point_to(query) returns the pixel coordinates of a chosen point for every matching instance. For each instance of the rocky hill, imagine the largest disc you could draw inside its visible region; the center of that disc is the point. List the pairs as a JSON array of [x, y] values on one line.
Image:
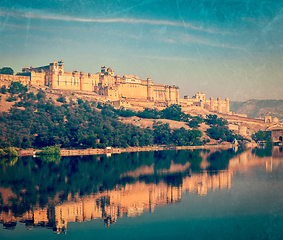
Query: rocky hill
[[258, 108]]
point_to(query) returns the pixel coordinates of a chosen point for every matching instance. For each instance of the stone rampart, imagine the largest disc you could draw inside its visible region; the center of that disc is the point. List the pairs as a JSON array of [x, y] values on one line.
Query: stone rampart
[[7, 79], [233, 118]]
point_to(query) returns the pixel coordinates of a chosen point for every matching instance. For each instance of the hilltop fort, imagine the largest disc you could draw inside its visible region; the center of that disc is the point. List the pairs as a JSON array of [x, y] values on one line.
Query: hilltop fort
[[123, 91], [134, 93]]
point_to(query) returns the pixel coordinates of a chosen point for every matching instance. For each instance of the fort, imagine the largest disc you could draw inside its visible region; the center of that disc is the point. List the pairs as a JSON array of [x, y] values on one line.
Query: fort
[[123, 91], [131, 92]]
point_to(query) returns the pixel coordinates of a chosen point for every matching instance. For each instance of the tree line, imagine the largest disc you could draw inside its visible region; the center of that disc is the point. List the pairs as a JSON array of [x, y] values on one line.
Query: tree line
[[36, 121]]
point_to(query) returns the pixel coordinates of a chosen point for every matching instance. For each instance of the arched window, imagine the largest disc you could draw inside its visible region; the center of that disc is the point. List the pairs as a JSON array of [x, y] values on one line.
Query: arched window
[[280, 138]]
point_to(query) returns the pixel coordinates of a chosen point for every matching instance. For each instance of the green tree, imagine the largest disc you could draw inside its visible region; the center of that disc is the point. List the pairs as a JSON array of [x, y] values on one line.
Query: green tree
[[193, 137], [16, 88], [259, 136], [80, 101], [213, 120], [174, 112], [8, 152], [25, 143], [149, 113], [41, 94], [125, 112], [11, 99], [7, 70], [90, 141], [61, 99], [194, 123], [51, 150], [221, 132], [161, 133], [3, 89]]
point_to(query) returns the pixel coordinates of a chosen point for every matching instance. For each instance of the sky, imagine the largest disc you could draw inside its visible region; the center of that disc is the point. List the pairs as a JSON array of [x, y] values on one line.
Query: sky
[[224, 48]]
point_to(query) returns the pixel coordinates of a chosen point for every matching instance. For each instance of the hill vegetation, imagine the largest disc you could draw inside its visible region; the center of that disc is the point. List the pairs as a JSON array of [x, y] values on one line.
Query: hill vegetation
[[258, 108], [37, 121]]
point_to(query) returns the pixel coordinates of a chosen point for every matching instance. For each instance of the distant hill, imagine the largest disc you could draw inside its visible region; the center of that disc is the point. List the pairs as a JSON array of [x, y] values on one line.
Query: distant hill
[[258, 108]]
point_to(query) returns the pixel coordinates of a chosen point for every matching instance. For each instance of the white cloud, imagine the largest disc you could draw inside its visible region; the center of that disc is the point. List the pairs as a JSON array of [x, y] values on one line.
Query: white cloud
[[190, 39], [30, 14]]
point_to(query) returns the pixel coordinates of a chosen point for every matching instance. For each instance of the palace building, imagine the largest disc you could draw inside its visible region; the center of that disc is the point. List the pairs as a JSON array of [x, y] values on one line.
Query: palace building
[[104, 83], [127, 91]]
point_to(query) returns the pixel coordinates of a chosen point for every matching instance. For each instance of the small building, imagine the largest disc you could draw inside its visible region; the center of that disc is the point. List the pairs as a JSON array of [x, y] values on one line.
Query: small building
[[276, 132], [277, 135], [199, 100]]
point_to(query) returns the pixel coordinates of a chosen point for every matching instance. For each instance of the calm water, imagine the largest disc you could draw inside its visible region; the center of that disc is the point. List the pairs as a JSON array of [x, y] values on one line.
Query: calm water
[[216, 194]]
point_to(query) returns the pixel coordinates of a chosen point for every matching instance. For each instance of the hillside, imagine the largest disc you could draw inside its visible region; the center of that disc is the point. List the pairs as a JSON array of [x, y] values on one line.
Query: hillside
[[258, 108], [39, 118], [36, 118]]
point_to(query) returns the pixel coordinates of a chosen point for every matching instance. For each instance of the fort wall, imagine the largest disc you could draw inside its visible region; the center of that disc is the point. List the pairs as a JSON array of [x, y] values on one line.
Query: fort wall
[[132, 90], [69, 81], [37, 79], [7, 79], [88, 81], [114, 87], [235, 118]]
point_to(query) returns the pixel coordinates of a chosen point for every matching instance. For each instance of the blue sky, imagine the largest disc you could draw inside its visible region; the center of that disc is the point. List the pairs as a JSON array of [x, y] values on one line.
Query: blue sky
[[223, 48]]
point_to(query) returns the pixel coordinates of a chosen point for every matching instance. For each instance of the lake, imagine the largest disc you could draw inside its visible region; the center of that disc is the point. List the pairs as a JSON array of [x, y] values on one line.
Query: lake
[[186, 194]]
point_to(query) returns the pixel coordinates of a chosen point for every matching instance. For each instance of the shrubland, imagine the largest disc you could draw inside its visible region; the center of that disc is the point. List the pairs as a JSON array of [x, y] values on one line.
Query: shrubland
[[36, 121]]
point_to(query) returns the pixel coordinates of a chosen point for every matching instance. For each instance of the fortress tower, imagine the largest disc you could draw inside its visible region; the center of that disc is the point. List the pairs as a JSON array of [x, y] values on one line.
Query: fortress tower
[[227, 105], [149, 89], [212, 104], [219, 105], [56, 69]]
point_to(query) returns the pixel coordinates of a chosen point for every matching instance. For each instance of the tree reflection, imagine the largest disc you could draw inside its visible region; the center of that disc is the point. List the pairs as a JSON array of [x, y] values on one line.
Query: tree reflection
[[49, 180], [219, 160], [266, 151], [8, 161], [50, 158]]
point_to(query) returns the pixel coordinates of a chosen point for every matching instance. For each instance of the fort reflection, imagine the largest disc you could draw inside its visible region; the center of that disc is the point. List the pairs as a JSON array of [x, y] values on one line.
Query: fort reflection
[[136, 197], [129, 201]]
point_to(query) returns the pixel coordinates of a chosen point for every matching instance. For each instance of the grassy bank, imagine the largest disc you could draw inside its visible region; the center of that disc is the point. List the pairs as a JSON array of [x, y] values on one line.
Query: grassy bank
[[51, 150], [8, 152]]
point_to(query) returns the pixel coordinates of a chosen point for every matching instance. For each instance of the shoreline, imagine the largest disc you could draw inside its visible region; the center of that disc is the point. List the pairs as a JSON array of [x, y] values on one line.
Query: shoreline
[[98, 151]]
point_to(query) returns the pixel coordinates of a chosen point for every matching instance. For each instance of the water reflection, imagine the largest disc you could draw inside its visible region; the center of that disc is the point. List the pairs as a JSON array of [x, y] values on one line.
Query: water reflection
[[8, 161], [40, 193]]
